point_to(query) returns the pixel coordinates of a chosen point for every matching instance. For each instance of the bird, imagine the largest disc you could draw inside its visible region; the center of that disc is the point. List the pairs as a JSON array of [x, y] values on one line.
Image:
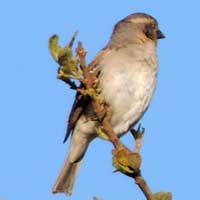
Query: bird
[[127, 69]]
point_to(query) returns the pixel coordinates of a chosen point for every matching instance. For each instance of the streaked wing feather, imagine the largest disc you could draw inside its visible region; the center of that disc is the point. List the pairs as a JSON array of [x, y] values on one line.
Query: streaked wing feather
[[80, 101], [77, 108]]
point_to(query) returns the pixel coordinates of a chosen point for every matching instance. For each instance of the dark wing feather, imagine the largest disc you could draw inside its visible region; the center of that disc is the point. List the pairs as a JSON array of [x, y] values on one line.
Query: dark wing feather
[[76, 111], [81, 101]]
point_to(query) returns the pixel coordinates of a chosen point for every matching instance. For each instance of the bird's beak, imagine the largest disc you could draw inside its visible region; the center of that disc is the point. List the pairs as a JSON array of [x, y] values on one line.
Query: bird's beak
[[160, 35]]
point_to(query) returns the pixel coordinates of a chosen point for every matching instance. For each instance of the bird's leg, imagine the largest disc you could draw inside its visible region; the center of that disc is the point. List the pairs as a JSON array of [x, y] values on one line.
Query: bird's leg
[[138, 136]]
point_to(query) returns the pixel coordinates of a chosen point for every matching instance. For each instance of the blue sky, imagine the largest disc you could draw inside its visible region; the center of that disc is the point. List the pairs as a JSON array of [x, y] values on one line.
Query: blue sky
[[34, 105]]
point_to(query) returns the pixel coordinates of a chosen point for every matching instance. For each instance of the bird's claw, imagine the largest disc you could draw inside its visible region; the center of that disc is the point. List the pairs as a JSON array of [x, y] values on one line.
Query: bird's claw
[[140, 128], [138, 133]]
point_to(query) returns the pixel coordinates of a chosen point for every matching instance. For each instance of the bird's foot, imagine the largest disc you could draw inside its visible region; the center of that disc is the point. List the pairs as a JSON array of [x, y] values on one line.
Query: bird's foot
[[138, 136]]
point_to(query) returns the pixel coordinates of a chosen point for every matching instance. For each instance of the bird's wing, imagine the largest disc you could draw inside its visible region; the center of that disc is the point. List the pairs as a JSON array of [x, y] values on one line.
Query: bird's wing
[[93, 66], [81, 101], [79, 104]]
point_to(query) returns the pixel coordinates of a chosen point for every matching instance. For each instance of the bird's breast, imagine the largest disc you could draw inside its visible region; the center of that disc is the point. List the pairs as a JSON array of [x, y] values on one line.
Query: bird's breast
[[127, 84]]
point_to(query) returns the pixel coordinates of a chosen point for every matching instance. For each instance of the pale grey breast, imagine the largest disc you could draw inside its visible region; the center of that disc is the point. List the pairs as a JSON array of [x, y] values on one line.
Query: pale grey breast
[[128, 80]]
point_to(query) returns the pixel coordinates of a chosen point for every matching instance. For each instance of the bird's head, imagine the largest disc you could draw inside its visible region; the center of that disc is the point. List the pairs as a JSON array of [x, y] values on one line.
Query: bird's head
[[136, 28]]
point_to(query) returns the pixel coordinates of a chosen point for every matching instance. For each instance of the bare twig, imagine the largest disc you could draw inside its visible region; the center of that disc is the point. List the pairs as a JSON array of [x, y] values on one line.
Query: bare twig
[[139, 180], [71, 83], [72, 40]]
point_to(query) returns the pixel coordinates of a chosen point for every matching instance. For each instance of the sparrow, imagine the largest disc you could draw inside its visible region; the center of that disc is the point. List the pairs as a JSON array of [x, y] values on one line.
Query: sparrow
[[127, 73]]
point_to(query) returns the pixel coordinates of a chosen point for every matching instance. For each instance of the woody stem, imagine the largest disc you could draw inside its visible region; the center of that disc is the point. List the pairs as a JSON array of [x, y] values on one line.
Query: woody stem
[[88, 82]]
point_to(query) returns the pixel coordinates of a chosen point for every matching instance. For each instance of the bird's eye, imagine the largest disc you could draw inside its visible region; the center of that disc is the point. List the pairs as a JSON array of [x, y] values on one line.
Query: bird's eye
[[149, 31]]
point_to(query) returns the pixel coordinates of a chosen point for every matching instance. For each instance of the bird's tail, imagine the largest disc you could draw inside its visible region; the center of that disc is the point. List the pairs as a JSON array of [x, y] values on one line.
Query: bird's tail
[[67, 177]]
